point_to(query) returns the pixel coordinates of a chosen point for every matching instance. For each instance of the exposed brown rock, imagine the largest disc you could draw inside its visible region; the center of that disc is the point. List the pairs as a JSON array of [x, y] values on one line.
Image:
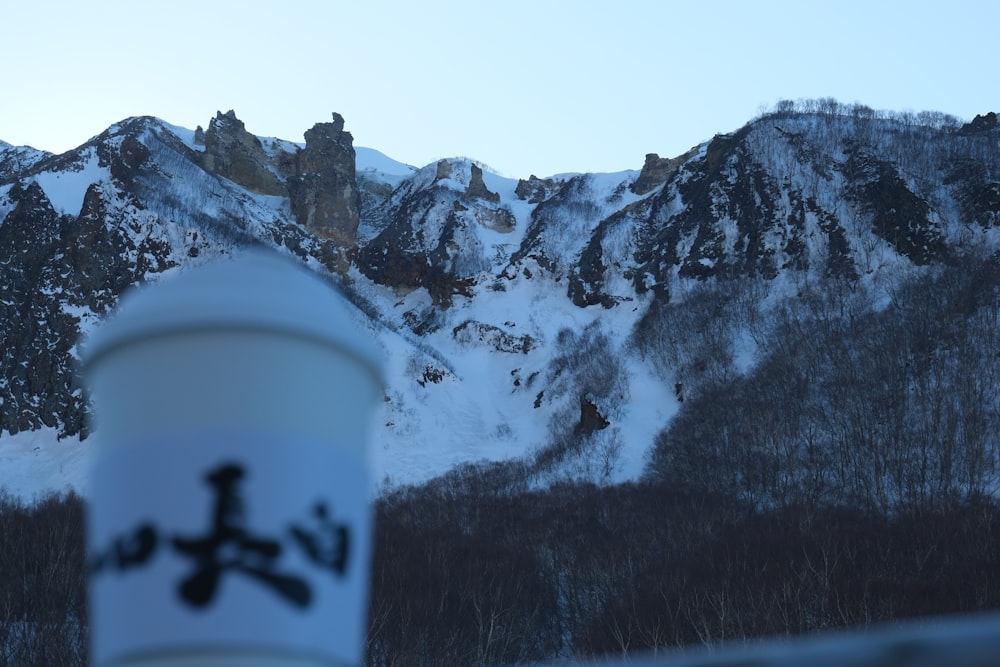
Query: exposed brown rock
[[443, 170], [535, 189], [477, 187], [235, 154], [324, 192], [591, 418], [498, 219], [655, 172]]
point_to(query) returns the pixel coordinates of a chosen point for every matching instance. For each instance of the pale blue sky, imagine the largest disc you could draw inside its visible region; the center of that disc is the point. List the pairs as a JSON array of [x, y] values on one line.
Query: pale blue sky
[[525, 86]]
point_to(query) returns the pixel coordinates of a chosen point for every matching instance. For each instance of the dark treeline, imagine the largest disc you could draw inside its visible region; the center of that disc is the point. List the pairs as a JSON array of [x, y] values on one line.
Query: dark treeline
[[43, 610], [470, 579], [511, 575], [830, 107]]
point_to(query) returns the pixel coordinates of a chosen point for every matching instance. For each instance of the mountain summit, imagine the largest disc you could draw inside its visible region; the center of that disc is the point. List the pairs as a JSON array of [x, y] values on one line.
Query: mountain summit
[[563, 324]]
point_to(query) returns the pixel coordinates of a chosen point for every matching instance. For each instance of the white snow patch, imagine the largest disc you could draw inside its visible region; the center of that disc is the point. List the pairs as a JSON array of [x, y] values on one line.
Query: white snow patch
[[369, 159], [273, 146], [37, 463], [185, 135], [745, 352], [66, 189], [5, 204], [650, 407]]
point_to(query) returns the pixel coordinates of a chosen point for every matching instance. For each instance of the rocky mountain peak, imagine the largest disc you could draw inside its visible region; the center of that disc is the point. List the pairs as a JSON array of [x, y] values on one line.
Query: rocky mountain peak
[[16, 160], [319, 179], [234, 153], [535, 190], [656, 171], [324, 192], [477, 186]]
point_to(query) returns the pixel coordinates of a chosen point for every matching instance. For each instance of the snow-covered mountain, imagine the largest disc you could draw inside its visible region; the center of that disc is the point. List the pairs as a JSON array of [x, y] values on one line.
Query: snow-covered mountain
[[522, 320]]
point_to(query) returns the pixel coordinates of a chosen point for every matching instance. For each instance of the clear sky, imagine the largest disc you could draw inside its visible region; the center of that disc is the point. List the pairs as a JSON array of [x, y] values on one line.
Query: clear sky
[[525, 86]]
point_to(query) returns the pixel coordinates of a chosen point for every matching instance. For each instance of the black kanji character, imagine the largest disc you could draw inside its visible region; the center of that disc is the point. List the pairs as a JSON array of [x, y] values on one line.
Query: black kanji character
[[328, 547], [128, 551], [229, 547]]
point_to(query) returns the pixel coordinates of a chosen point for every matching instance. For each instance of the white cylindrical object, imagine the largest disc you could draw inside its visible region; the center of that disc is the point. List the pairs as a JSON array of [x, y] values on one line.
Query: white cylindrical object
[[229, 521]]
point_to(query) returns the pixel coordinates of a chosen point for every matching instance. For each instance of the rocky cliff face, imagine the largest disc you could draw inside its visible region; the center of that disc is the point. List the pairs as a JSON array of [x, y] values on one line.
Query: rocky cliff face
[[60, 271], [233, 153], [319, 179], [323, 189], [18, 159], [434, 237], [656, 171]]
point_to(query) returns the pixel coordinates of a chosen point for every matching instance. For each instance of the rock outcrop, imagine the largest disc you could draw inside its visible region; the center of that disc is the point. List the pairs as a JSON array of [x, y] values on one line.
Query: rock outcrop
[[535, 190], [324, 192], [18, 159], [443, 170], [655, 172], [477, 187], [980, 124], [319, 179], [234, 153]]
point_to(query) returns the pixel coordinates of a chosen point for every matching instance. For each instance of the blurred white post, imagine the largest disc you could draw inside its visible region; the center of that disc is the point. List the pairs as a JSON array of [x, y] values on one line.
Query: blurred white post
[[230, 519]]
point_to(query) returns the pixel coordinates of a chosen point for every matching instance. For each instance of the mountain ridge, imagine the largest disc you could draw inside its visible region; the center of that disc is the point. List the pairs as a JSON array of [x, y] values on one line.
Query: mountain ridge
[[517, 315]]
